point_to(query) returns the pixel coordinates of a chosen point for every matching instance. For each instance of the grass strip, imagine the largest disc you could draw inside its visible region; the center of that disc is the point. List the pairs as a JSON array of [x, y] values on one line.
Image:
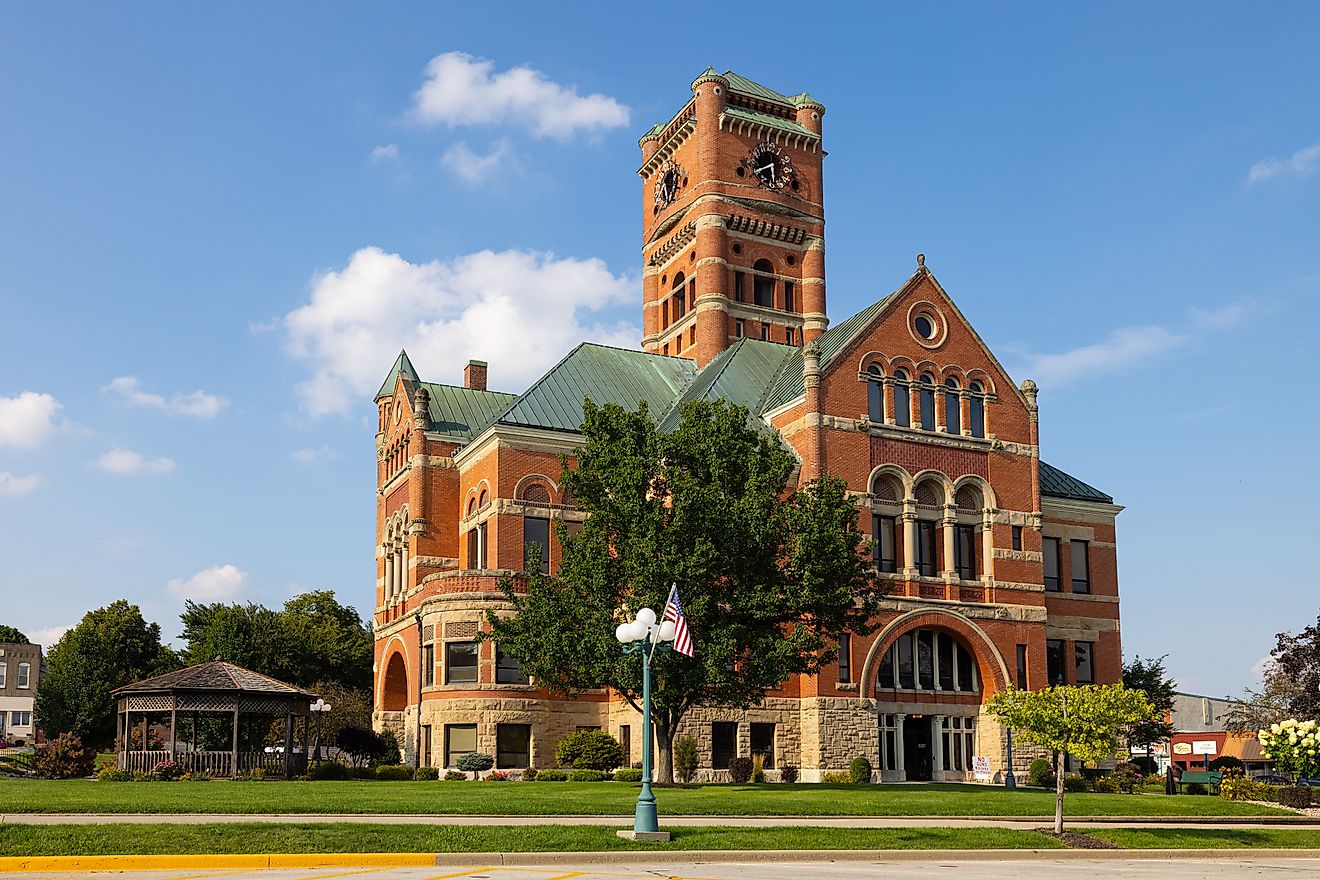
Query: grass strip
[[1211, 838], [587, 799], [87, 840]]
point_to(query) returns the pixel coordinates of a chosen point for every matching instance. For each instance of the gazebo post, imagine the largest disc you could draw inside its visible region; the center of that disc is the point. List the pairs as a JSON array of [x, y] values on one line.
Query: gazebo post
[[174, 730], [145, 730], [233, 766], [288, 744]]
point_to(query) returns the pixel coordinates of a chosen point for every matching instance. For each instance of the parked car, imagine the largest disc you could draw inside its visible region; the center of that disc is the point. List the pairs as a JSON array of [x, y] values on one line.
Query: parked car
[[1312, 782], [1272, 779]]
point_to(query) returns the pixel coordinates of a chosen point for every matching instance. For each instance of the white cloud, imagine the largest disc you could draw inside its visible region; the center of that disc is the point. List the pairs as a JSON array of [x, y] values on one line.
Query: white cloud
[[47, 636], [26, 420], [475, 167], [312, 456], [1262, 667], [12, 484], [384, 152], [462, 90], [127, 462], [519, 311], [212, 584], [199, 404], [1301, 163], [1123, 349]]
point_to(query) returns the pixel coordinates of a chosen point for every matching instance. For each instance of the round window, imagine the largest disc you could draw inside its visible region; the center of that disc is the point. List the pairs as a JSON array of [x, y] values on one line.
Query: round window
[[925, 326]]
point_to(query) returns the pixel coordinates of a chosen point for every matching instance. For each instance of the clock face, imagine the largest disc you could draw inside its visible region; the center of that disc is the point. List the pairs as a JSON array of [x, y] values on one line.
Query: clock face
[[668, 178], [769, 166]]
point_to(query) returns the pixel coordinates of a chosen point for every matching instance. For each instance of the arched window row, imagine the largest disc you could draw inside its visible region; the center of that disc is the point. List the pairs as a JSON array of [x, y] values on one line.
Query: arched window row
[[681, 298], [765, 288], [928, 526], [394, 552], [925, 402], [928, 660], [396, 456]]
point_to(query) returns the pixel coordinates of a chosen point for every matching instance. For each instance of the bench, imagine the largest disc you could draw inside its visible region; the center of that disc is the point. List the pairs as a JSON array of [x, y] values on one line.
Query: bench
[[1209, 778]]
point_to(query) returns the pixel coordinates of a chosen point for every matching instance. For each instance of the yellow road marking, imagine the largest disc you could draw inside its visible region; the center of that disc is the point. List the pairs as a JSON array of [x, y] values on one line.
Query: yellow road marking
[[566, 876], [210, 874], [466, 873], [343, 874]]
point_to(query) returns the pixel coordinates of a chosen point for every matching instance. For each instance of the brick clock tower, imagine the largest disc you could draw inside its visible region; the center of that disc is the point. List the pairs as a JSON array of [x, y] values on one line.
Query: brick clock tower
[[733, 220]]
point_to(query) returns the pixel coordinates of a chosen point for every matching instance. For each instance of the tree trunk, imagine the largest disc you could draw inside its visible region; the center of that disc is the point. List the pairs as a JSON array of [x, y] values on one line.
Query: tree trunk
[[1058, 792], [664, 752]]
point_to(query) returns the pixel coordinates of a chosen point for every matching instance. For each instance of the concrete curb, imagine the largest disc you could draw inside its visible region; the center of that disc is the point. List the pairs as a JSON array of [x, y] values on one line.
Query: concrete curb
[[17, 864]]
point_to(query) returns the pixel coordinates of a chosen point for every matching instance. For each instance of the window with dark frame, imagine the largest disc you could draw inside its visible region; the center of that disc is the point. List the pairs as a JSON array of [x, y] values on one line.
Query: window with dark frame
[[513, 745], [536, 538], [976, 409], [928, 660], [1054, 661], [965, 551], [763, 743], [763, 285], [460, 740], [425, 760], [765, 332], [952, 407], [926, 395], [1017, 537], [884, 529], [737, 287], [1022, 667], [738, 329], [1081, 566], [428, 664], [902, 400], [875, 395], [508, 669], [1083, 662], [625, 740], [788, 296], [845, 658], [926, 564], [723, 744], [1050, 551], [461, 662]]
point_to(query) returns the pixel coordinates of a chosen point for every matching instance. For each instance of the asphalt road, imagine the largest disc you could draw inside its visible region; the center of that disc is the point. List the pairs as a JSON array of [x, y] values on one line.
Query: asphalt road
[[1055, 869]]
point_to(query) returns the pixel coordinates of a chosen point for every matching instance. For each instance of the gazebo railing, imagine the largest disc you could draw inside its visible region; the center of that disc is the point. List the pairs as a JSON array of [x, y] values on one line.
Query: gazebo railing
[[217, 763]]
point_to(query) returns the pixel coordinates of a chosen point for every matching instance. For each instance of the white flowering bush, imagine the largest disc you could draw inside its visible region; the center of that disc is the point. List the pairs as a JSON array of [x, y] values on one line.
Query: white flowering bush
[[1294, 746]]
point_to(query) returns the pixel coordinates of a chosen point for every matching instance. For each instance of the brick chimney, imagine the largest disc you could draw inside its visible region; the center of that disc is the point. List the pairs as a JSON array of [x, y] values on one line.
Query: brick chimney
[[474, 375]]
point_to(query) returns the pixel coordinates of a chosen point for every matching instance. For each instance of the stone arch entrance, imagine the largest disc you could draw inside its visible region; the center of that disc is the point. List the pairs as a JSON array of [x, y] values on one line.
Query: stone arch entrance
[[394, 691]]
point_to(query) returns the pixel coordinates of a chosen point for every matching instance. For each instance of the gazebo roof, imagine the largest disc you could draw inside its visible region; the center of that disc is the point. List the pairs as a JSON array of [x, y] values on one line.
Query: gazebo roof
[[216, 676]]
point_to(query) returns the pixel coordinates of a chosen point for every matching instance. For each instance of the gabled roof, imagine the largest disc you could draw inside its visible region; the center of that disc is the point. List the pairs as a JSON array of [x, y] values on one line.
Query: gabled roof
[[788, 386], [758, 118], [742, 374], [401, 365], [742, 84], [216, 675], [1054, 483], [606, 375], [462, 413]]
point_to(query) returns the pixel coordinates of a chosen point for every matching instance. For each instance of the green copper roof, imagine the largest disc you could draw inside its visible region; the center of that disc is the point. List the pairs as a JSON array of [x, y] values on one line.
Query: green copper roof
[[1054, 483], [744, 85], [833, 341], [769, 119], [606, 375], [462, 413], [401, 365], [741, 374]]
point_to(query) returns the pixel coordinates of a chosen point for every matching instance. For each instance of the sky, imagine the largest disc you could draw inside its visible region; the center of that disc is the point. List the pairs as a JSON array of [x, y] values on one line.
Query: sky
[[219, 224]]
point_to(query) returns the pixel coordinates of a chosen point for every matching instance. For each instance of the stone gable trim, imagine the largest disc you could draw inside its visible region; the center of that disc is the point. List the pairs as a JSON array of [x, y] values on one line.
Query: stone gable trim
[[1081, 511], [1079, 629], [517, 437], [997, 611]]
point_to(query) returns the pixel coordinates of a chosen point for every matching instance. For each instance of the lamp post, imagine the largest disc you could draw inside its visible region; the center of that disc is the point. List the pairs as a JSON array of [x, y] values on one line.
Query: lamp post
[[1010, 781], [319, 708], [644, 636]]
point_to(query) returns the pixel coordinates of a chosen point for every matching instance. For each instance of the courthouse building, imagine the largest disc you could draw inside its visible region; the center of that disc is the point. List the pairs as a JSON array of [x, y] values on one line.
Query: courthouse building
[[1001, 568]]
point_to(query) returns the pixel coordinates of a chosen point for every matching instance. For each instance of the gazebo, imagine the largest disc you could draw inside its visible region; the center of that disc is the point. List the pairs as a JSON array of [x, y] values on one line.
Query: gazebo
[[211, 688]]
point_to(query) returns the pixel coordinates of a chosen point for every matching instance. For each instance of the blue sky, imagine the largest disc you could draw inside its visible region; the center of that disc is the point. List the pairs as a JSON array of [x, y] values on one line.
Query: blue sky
[[219, 224]]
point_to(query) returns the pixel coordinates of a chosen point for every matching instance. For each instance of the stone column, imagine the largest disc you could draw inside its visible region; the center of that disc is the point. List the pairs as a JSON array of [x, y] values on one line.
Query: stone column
[[814, 316], [947, 524], [814, 465], [899, 763], [987, 544], [403, 569], [909, 516], [937, 748], [389, 576]]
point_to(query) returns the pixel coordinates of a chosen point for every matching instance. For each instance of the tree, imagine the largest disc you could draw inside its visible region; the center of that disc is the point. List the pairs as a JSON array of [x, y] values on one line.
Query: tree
[[589, 750], [110, 647], [1297, 659], [10, 636], [1086, 722], [769, 579], [1259, 709], [1150, 677], [362, 744]]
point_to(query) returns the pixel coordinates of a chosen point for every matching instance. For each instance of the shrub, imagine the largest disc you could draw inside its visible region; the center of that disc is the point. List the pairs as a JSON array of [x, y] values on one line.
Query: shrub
[[1227, 762], [586, 774], [64, 758], [859, 770], [628, 774], [788, 773], [455, 776], [1195, 788], [758, 769], [589, 750], [1127, 777], [1076, 783], [394, 773], [389, 755], [363, 772], [530, 774], [1147, 766], [685, 759], [499, 776], [1106, 784], [362, 744], [1039, 772], [836, 777], [329, 770], [426, 774], [552, 776], [475, 762], [167, 771], [1240, 788], [740, 769], [257, 774], [111, 773], [1298, 796]]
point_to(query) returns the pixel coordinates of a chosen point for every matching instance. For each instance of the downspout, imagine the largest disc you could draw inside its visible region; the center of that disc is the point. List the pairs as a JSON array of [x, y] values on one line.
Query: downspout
[[417, 737]]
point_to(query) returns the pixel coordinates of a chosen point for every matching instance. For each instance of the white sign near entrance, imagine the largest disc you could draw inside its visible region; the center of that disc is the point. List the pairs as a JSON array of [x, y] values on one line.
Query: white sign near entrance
[[981, 768], [1203, 747]]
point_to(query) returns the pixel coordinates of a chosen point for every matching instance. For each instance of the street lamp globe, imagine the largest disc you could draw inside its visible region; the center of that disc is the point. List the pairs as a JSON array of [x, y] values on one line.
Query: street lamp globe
[[667, 631], [646, 617]]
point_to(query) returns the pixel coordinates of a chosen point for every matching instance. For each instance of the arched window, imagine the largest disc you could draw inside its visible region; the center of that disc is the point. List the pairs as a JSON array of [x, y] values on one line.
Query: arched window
[[678, 308], [952, 407], [888, 495], [976, 409], [472, 505], [902, 399], [536, 494], [927, 395], [764, 285], [875, 394], [927, 660], [484, 500]]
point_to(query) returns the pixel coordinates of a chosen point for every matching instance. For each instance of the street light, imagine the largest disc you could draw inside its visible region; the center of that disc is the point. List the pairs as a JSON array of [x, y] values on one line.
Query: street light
[[319, 708], [1010, 781], [644, 636]]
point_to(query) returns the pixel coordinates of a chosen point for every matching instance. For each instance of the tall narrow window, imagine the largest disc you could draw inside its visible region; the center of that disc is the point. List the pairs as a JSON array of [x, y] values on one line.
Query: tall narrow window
[[428, 664], [926, 660], [625, 740], [788, 335], [888, 743], [926, 392], [875, 395], [425, 758], [952, 407], [944, 657], [723, 744], [678, 297], [1017, 537], [1083, 665], [845, 658], [738, 329], [965, 551], [907, 679], [737, 287], [1050, 550], [976, 409], [1022, 667], [902, 399], [885, 677], [966, 668], [508, 669], [24, 671], [1054, 661], [885, 528], [1081, 566], [461, 662], [4, 668], [536, 543], [764, 283], [788, 296], [765, 332], [926, 548], [763, 742]]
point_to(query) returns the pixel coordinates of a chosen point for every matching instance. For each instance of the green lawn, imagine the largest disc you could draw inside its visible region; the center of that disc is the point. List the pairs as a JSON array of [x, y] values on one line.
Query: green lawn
[[77, 840], [596, 799], [1206, 838]]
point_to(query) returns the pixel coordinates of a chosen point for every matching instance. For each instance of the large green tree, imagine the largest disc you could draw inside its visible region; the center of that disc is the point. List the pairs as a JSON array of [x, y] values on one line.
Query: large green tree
[[1150, 677], [769, 577], [11, 636], [1086, 722], [110, 647], [1296, 658]]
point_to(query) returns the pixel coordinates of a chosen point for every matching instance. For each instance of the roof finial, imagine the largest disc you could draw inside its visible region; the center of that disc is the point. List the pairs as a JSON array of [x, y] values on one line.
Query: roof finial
[[921, 261]]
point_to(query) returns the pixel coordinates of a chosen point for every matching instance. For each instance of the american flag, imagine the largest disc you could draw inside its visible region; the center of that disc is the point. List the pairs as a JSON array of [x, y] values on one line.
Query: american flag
[[674, 612]]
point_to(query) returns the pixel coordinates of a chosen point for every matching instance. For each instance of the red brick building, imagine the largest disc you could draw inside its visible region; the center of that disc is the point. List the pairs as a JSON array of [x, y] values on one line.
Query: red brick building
[[1002, 567]]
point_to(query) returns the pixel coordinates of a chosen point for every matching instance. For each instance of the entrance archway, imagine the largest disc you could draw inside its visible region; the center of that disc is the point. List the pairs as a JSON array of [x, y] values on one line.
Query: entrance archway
[[394, 693]]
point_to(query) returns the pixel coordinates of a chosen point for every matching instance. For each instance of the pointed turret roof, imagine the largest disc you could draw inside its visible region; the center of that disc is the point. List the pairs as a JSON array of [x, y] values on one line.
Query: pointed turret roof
[[401, 366]]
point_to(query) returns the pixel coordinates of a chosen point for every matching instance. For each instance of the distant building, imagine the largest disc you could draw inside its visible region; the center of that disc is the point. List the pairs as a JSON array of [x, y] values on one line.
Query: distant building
[[20, 675], [1200, 735]]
